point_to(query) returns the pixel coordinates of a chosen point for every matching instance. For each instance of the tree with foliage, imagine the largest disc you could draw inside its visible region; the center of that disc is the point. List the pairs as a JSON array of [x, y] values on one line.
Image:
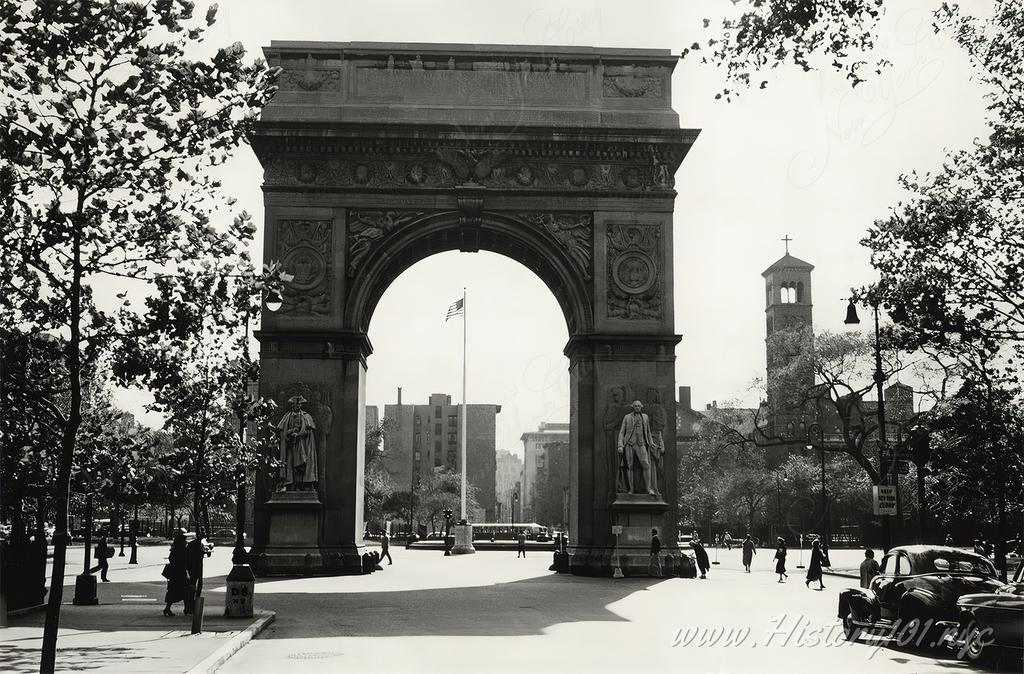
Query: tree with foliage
[[193, 356], [441, 489], [379, 483], [107, 127], [951, 258], [763, 34], [978, 457]]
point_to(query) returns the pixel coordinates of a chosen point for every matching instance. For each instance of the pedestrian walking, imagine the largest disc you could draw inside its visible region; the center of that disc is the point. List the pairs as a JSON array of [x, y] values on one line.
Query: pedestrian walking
[[176, 573], [521, 545], [748, 552], [194, 553], [868, 568], [701, 555], [780, 559], [385, 547], [654, 567], [103, 553], [814, 572], [728, 540]]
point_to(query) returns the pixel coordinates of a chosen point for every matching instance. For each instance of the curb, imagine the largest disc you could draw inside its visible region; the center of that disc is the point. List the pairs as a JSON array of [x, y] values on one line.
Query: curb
[[216, 660], [841, 574]]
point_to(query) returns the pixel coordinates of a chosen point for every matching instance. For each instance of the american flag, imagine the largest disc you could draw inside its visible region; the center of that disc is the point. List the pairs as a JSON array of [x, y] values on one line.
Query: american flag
[[454, 310]]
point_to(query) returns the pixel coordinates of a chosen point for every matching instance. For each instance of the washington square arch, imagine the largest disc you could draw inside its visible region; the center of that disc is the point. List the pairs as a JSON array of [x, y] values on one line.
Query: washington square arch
[[378, 155]]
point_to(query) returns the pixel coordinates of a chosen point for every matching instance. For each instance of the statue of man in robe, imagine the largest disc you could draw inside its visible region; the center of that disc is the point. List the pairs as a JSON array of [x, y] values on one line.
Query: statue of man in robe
[[636, 446], [298, 447]]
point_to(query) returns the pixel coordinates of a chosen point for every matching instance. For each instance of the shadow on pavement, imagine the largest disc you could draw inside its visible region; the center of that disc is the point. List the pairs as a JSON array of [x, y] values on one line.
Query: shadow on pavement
[[522, 607]]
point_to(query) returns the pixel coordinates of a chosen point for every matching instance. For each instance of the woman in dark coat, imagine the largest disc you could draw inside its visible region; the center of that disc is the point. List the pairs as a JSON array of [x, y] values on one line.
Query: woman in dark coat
[[748, 552], [814, 566], [176, 572], [703, 563], [780, 557]]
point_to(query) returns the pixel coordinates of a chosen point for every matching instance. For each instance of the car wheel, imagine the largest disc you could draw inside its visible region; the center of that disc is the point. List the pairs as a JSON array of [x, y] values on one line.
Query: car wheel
[[850, 631], [974, 645]]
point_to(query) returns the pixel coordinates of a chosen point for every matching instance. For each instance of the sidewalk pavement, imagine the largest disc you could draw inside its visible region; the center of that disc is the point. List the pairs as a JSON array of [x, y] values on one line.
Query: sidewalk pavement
[[128, 638], [127, 631]]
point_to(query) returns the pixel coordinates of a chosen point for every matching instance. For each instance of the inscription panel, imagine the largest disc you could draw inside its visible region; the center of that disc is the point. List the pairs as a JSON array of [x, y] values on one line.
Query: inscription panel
[[470, 86]]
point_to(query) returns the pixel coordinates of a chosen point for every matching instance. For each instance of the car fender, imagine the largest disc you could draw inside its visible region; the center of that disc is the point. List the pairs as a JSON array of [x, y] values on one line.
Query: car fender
[[858, 604]]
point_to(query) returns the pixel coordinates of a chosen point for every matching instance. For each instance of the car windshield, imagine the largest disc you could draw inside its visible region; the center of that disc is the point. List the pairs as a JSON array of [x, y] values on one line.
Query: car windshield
[[949, 563]]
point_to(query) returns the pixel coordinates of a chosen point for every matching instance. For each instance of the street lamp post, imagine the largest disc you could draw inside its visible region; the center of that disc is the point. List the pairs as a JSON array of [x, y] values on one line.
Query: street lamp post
[[134, 536], [827, 526], [447, 531], [883, 468]]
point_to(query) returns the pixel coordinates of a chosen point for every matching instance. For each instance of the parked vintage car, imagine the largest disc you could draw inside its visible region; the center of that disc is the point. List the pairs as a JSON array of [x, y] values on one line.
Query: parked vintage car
[[917, 587], [990, 624]]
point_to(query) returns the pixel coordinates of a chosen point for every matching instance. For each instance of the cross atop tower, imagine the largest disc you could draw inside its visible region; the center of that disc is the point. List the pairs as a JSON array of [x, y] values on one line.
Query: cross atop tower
[[787, 240]]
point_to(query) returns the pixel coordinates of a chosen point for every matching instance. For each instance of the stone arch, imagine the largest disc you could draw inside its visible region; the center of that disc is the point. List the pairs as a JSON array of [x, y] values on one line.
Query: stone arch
[[379, 155], [498, 233]]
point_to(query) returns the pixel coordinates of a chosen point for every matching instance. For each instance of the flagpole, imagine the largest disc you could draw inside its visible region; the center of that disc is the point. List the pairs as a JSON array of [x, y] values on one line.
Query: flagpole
[[465, 419]]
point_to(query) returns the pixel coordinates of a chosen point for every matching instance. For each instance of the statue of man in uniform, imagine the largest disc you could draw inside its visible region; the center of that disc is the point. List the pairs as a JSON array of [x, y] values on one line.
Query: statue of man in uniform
[[636, 445], [298, 447]]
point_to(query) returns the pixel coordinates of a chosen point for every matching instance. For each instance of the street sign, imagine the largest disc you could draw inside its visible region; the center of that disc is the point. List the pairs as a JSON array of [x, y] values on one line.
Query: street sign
[[884, 499], [616, 529]]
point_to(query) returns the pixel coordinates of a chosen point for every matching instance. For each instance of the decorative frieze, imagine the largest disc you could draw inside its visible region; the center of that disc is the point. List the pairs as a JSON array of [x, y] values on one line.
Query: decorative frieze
[[635, 272], [494, 169], [304, 248]]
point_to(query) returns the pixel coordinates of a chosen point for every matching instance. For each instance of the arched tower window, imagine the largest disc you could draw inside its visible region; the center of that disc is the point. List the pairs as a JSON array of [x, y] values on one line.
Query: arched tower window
[[788, 293]]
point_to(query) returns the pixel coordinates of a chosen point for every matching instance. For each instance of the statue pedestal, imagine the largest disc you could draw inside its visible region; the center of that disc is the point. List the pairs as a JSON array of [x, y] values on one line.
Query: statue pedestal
[[463, 539], [293, 543], [638, 514]]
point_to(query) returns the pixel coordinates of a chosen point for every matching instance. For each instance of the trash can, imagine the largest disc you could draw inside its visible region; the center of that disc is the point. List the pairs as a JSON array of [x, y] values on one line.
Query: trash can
[[241, 584]]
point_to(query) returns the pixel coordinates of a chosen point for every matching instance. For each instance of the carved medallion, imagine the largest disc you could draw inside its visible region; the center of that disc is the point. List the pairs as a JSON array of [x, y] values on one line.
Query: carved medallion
[[634, 272], [304, 248]]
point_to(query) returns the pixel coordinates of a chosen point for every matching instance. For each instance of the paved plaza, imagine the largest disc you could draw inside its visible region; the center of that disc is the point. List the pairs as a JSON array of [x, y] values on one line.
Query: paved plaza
[[477, 613], [493, 612]]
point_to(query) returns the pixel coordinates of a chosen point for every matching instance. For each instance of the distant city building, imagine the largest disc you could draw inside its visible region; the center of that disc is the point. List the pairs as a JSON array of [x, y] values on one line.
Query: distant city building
[[534, 457], [427, 437], [507, 476]]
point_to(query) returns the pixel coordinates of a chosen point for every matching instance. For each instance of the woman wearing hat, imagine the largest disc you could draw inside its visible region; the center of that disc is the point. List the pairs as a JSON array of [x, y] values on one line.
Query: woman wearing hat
[[780, 559], [176, 572]]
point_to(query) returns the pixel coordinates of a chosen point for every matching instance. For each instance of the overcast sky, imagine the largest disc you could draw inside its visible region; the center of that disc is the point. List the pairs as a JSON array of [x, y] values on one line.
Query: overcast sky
[[807, 157]]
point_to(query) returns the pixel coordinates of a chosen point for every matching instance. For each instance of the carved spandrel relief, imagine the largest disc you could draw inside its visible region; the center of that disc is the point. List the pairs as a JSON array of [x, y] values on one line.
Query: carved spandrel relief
[[304, 248], [573, 232], [367, 228], [634, 272]]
